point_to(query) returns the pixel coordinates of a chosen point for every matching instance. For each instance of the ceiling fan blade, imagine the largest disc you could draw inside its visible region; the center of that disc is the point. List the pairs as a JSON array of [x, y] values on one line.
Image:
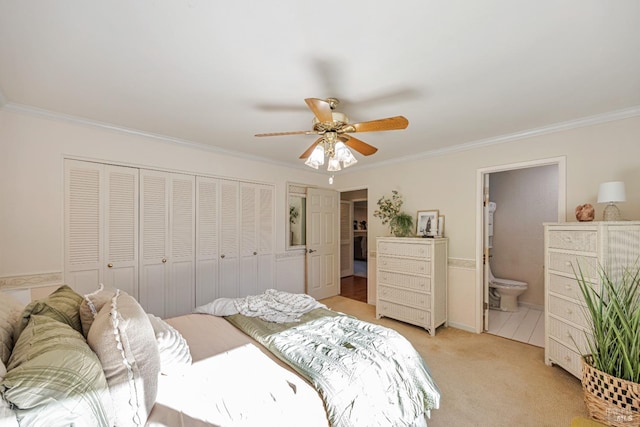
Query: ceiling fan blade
[[390, 123], [310, 149], [360, 146], [296, 132], [321, 109]]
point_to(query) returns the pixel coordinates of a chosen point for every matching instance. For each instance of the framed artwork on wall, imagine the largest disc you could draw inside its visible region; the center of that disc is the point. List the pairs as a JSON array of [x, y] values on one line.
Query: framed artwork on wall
[[427, 223]]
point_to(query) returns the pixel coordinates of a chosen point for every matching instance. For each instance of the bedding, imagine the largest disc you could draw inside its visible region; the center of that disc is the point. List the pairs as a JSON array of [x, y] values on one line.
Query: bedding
[[202, 370], [53, 377], [233, 381], [367, 374]]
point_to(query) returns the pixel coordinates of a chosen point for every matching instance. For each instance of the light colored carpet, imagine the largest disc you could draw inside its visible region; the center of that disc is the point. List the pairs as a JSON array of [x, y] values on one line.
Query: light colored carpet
[[485, 380]]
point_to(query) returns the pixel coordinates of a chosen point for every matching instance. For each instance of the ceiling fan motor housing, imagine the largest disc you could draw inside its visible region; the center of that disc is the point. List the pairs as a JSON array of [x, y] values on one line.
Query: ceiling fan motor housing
[[339, 120]]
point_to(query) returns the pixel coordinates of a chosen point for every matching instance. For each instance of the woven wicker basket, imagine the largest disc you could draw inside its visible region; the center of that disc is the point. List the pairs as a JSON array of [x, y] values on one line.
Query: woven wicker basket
[[611, 400]]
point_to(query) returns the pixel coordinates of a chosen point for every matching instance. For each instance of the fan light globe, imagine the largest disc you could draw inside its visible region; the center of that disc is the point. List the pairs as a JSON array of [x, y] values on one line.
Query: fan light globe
[[345, 155], [334, 165], [316, 158]]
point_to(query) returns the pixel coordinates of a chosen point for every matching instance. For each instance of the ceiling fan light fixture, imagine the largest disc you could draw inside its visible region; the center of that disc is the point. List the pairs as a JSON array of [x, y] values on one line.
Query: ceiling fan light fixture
[[344, 155], [316, 158], [334, 165]]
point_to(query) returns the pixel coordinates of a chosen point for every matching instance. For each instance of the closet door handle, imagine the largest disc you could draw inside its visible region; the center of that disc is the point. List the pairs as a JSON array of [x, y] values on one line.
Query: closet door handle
[[312, 251], [222, 256], [110, 265], [164, 260]]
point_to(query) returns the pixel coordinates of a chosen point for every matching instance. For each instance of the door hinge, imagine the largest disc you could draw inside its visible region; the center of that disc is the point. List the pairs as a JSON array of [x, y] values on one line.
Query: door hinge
[[485, 306]]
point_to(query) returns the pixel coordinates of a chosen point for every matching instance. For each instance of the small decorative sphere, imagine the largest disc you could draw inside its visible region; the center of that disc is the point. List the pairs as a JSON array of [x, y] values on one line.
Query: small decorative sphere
[[585, 212]]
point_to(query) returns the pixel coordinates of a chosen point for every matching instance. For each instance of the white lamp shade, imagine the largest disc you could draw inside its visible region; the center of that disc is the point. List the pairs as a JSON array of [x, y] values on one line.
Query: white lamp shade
[[612, 192]]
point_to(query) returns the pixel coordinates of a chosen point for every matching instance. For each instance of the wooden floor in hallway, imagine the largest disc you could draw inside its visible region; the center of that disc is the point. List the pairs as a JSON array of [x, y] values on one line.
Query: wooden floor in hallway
[[354, 287]]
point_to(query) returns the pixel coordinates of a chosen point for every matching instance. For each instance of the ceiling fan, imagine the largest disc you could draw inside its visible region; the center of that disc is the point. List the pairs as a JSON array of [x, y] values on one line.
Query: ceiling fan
[[332, 127]]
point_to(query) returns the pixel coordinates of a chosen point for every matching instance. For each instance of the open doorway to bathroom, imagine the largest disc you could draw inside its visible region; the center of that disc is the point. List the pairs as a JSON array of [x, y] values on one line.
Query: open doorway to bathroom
[[354, 244], [517, 200]]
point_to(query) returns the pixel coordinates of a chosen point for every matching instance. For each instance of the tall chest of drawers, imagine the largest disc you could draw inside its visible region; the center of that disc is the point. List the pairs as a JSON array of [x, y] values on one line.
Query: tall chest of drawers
[[412, 280], [587, 247]]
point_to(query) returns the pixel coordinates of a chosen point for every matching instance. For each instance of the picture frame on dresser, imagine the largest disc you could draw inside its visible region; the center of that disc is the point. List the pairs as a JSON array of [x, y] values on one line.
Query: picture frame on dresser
[[440, 232], [427, 223]]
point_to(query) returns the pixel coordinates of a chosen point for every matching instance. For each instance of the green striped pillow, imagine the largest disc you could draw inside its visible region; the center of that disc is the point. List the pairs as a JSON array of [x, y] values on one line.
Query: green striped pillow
[[62, 305], [53, 377]]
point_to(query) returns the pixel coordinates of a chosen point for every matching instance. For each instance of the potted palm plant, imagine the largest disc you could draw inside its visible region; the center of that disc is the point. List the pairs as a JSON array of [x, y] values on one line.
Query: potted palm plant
[[611, 370]]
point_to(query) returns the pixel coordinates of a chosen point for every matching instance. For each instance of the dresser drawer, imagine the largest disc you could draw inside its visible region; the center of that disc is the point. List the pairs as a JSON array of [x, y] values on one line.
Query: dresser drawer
[[567, 310], [411, 315], [575, 240], [572, 337], [403, 296], [415, 266], [565, 357], [566, 286], [566, 263], [409, 281], [404, 249]]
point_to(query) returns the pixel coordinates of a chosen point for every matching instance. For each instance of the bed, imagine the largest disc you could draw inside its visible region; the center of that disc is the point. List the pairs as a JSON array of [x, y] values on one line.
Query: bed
[[223, 366], [361, 373]]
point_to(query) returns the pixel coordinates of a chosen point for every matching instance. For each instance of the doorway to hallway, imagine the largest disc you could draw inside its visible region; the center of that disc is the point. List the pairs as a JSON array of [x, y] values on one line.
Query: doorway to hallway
[[354, 245]]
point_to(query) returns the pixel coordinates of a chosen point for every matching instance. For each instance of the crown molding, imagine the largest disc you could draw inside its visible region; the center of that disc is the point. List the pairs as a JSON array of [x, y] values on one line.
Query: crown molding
[[556, 127], [48, 114], [502, 139]]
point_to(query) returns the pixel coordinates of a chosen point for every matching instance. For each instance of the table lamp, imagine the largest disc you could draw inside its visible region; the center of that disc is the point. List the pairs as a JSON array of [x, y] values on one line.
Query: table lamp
[[611, 192]]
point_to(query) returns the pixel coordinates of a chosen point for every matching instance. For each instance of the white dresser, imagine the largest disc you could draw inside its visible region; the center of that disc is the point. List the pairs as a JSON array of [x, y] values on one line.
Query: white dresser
[[412, 280], [591, 246]]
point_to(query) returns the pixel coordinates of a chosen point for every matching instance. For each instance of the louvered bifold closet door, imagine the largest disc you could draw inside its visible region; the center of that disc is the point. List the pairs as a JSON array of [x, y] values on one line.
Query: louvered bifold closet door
[[207, 239], [181, 287], [121, 229], [101, 226], [83, 207], [154, 231], [229, 238], [266, 237], [248, 239]]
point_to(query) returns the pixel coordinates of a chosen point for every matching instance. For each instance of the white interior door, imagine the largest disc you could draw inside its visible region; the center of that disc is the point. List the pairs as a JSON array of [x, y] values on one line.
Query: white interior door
[[346, 238], [84, 233], [180, 291], [207, 237], [229, 239], [323, 276], [154, 229], [485, 258], [121, 229]]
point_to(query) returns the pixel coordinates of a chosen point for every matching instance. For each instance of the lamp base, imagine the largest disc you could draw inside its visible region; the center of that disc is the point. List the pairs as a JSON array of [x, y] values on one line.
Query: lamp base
[[611, 213]]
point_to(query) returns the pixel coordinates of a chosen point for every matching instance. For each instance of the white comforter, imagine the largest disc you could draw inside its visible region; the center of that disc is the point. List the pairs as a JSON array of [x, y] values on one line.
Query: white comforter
[[272, 306], [241, 387]]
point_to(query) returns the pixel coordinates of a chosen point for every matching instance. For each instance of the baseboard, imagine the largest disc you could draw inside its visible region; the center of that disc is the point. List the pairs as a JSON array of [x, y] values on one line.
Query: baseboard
[[461, 326]]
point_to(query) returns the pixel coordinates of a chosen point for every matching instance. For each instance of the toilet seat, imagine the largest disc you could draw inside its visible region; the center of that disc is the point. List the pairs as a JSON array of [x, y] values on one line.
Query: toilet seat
[[506, 283]]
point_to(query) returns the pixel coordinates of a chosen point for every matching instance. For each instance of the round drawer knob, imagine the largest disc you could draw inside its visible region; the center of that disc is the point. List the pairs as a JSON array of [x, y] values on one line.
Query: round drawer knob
[[110, 265]]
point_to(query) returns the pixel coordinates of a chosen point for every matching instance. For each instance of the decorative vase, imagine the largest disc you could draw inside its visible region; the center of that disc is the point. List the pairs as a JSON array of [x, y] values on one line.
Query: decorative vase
[[609, 399]]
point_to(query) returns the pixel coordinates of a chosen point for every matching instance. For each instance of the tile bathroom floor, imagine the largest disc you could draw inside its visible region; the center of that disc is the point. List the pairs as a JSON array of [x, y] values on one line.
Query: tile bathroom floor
[[525, 325]]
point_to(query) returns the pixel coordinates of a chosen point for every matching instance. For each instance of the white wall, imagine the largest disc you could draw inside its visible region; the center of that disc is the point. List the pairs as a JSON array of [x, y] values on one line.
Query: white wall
[[31, 187], [604, 152]]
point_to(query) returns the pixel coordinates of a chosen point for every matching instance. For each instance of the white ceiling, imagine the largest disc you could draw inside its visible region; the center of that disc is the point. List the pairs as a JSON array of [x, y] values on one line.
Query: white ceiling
[[214, 73]]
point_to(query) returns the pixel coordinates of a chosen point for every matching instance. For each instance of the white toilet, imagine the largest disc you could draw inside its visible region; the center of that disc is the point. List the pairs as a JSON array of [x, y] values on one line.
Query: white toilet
[[508, 290]]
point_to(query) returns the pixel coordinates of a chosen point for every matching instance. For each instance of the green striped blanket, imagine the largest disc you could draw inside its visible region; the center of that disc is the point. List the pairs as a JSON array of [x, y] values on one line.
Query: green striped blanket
[[368, 375]]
